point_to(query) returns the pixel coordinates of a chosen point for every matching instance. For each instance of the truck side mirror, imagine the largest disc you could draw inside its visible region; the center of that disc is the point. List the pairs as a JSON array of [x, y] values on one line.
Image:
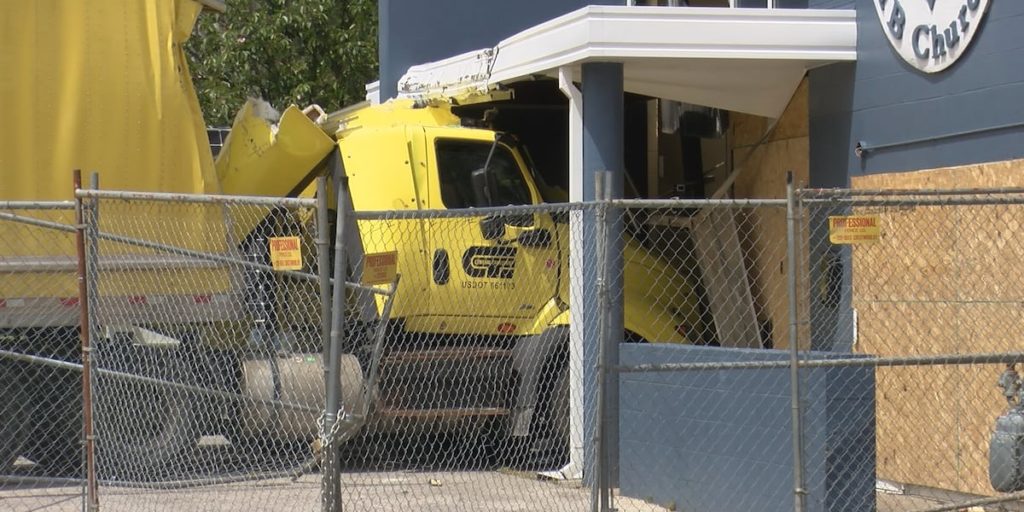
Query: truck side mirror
[[481, 194], [492, 227]]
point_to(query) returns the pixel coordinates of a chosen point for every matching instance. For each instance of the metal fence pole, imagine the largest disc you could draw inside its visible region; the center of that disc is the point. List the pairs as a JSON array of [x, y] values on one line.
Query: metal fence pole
[[799, 492], [323, 264], [599, 493], [331, 470], [92, 499]]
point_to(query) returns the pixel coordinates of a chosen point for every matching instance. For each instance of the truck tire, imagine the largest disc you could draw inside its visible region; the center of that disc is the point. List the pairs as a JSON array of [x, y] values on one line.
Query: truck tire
[[145, 431], [14, 414], [56, 445], [559, 415], [55, 442]]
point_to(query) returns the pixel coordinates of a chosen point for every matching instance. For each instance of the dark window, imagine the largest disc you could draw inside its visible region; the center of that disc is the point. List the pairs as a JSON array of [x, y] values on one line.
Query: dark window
[[456, 161]]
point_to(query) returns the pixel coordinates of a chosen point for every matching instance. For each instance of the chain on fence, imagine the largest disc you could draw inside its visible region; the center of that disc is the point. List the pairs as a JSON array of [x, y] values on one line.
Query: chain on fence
[[40, 371]]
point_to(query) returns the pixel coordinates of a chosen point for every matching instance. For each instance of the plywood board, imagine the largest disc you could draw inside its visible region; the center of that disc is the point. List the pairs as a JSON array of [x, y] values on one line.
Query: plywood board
[[748, 129], [943, 280], [765, 243], [913, 261], [724, 276], [917, 428]]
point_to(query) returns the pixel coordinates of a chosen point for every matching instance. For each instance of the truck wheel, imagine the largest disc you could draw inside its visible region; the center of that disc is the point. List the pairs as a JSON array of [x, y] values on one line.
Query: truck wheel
[[559, 411], [145, 430], [56, 442], [14, 414], [55, 428]]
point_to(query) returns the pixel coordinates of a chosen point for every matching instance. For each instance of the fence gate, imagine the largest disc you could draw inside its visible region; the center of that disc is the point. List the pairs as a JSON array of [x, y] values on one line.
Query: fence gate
[[41, 461]]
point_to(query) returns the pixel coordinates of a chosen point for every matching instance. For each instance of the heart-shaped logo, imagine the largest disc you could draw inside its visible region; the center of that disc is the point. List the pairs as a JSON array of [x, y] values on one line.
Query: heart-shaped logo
[[933, 34]]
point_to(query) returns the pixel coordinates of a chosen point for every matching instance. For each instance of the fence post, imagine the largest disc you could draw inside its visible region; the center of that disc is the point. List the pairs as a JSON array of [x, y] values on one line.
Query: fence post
[[85, 326], [607, 350], [323, 265], [799, 492], [599, 496], [332, 471]]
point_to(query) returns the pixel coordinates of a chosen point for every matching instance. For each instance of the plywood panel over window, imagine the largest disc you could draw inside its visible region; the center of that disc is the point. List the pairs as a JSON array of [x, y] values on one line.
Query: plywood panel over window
[[945, 280]]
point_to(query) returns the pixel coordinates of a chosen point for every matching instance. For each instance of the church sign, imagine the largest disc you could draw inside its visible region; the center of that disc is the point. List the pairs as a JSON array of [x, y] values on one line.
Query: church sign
[[931, 34]]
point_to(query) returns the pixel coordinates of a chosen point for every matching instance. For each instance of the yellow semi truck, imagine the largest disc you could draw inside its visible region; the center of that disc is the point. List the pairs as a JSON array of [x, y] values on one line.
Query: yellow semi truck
[[488, 290], [478, 330]]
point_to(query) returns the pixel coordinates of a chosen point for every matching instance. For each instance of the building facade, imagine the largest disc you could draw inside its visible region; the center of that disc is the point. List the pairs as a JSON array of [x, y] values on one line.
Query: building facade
[[931, 99]]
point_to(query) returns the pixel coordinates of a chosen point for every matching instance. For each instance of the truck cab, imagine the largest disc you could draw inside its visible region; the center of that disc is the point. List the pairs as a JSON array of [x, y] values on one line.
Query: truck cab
[[481, 317]]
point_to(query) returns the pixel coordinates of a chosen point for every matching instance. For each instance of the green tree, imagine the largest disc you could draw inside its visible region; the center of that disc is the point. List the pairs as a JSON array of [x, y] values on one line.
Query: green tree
[[285, 52]]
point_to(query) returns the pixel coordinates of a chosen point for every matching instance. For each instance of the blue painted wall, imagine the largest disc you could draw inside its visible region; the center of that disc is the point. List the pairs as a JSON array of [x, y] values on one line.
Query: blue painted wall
[[721, 440], [882, 100], [418, 31]]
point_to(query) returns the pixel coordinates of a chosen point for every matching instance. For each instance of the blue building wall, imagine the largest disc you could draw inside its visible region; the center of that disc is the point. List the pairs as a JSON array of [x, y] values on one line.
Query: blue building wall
[[882, 100], [722, 440]]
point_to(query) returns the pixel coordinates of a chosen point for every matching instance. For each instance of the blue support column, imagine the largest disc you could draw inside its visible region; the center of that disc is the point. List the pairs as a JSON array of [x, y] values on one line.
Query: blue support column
[[602, 151]]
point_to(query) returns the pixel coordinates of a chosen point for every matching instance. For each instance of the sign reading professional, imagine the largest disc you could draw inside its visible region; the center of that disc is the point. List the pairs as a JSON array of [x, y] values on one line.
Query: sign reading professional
[[930, 34]]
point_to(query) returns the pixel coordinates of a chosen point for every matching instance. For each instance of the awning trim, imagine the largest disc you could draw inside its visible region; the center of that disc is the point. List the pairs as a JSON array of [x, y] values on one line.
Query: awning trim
[[686, 39]]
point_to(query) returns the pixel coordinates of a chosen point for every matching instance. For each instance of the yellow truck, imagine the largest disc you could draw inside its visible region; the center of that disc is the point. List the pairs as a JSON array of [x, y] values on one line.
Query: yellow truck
[[478, 330], [487, 290]]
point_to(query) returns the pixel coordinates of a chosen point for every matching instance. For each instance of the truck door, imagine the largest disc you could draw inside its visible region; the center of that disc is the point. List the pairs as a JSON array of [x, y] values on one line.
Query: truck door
[[491, 274]]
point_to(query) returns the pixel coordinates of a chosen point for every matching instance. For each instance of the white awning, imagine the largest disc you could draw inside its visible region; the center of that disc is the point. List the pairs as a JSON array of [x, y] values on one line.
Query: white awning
[[745, 60]]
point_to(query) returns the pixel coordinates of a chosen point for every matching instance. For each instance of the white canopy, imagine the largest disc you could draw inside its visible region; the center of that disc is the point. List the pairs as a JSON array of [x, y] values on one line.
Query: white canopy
[[745, 60]]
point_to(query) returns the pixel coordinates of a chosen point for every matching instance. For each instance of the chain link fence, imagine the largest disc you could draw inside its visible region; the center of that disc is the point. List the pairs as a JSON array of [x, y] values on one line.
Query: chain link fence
[[461, 380], [927, 284], [40, 364], [208, 351], [472, 395]]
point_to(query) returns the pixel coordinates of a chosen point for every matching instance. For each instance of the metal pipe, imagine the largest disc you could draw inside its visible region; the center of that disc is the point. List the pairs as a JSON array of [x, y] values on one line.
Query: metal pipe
[[841, 362], [331, 472], [166, 484], [323, 244], [378, 347], [911, 203], [469, 212], [128, 261], [172, 249], [563, 207], [84, 332], [92, 267], [614, 327], [66, 365], [862, 148], [799, 492], [598, 495], [695, 203], [845, 192], [287, 202], [13, 217], [37, 205], [207, 481], [226, 259]]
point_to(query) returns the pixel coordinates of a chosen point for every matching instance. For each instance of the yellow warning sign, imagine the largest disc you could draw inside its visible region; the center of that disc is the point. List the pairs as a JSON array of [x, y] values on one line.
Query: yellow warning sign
[[380, 268], [853, 229], [286, 253]]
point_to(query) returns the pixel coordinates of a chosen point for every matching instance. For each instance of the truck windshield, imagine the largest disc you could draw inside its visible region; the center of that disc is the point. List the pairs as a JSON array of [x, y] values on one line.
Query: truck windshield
[[456, 161]]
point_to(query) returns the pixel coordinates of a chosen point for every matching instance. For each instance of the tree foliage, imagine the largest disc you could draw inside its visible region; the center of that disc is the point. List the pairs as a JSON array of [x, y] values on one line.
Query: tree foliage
[[285, 52]]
